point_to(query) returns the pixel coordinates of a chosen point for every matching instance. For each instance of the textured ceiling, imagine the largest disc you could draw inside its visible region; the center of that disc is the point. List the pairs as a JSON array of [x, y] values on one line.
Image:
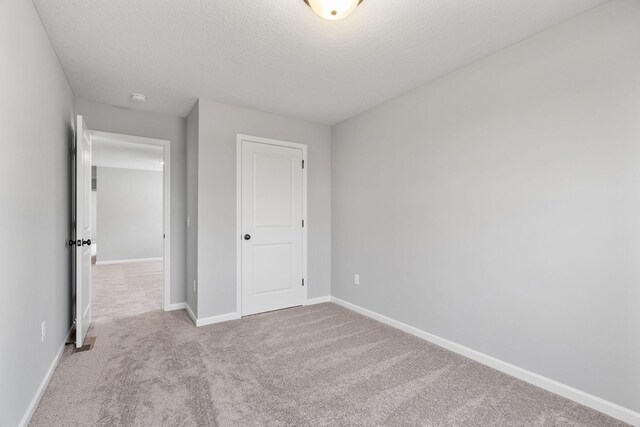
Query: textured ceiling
[[277, 55]]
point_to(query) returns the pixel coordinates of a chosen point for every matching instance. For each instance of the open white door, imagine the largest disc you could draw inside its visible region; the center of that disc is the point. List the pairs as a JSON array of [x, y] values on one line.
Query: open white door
[[83, 230], [272, 227]]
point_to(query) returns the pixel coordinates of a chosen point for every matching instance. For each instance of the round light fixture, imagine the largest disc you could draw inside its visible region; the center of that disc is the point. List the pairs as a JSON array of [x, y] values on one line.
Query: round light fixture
[[333, 9], [138, 98]]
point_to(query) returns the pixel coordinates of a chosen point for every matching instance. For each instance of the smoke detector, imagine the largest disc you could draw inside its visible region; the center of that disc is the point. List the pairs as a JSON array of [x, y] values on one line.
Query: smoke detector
[[138, 98]]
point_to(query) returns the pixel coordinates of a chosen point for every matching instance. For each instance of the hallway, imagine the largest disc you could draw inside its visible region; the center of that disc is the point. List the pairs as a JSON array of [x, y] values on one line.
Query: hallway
[[121, 290]]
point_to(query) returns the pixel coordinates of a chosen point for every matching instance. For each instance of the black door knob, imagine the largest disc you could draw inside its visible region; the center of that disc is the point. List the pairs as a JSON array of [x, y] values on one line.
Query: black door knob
[[247, 237], [86, 242]]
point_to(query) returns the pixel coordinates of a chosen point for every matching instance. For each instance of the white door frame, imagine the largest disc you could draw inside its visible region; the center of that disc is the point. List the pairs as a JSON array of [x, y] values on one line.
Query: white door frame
[[276, 142], [166, 252]]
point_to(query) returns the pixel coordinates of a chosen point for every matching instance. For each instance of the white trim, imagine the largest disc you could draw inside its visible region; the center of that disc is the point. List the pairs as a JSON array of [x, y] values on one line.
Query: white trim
[[177, 306], [31, 409], [319, 300], [238, 224], [166, 248], [128, 261], [217, 319], [586, 399], [303, 147], [190, 313]]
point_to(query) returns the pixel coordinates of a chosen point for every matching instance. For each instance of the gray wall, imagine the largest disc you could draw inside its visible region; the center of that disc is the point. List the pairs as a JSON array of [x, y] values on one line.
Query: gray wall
[[130, 214], [498, 207], [219, 125], [193, 123], [107, 118], [36, 135], [94, 217]]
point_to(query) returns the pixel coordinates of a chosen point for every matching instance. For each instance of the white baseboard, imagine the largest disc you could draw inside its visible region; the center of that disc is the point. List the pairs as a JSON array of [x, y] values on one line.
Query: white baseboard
[[31, 409], [319, 300], [127, 261], [176, 306], [217, 319], [234, 316], [586, 399], [210, 320]]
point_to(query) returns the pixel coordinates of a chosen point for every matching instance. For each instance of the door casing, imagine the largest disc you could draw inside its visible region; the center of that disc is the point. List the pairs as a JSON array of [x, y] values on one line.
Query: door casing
[[166, 207], [267, 141]]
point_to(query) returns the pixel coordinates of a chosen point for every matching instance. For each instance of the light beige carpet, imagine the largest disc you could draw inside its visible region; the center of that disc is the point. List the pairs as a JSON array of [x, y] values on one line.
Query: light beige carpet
[[317, 365], [120, 290]]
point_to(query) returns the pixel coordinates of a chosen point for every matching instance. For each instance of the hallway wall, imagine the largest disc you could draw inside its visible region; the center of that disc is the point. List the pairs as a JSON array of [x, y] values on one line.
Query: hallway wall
[[36, 135], [130, 214]]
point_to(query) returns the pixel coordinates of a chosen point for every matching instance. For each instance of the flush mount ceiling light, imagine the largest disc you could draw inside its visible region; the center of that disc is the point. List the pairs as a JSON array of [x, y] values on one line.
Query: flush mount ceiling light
[[333, 9]]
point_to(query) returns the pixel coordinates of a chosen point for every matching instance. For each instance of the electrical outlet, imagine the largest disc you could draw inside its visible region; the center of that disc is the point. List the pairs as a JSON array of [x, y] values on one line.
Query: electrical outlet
[[44, 330], [356, 279], [194, 286]]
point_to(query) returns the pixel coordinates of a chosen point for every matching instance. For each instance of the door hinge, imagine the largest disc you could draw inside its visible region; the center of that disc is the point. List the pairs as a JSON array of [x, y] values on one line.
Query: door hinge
[[303, 223], [303, 164], [302, 282]]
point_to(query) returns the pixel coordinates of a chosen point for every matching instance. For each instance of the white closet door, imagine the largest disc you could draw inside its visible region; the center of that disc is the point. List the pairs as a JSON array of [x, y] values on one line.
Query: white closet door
[[272, 225]]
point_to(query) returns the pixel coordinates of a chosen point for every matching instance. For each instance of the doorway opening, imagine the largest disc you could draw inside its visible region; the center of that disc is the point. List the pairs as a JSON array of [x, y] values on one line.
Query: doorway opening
[[123, 206], [128, 228]]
